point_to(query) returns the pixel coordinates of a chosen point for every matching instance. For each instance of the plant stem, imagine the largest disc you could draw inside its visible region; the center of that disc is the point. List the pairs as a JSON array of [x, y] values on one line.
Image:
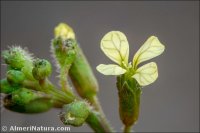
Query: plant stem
[[96, 121], [63, 79], [97, 105], [49, 88], [127, 129]]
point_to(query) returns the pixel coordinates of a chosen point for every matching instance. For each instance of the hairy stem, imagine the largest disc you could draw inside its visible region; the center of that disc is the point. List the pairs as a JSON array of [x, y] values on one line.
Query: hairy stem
[[47, 87], [97, 122], [63, 79], [97, 106]]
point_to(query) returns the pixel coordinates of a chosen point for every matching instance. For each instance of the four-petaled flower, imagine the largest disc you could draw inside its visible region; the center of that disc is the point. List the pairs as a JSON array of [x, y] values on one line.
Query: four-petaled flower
[[115, 45]]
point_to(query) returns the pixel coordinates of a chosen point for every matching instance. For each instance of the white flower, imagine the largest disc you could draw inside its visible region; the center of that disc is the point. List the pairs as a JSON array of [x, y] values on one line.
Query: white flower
[[115, 46]]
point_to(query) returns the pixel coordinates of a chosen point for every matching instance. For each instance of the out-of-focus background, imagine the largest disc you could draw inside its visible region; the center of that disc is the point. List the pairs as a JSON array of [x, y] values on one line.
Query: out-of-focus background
[[171, 104]]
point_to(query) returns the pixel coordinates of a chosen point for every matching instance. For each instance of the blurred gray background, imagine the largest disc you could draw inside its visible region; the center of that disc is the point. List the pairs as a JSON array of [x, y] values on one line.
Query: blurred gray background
[[171, 104]]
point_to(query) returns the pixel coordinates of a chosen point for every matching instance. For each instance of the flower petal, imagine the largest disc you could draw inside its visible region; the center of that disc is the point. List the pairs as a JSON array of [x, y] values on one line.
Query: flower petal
[[64, 31], [110, 69], [146, 74], [115, 45], [150, 49]]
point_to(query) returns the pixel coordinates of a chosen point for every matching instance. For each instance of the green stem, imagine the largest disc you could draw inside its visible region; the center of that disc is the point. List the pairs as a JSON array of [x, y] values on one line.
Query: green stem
[[32, 85], [97, 105], [48, 88], [96, 121], [127, 129], [63, 79]]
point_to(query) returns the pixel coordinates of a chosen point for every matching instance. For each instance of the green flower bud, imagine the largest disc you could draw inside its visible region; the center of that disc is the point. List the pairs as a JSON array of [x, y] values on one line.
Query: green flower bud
[[15, 77], [28, 101], [69, 55], [64, 51], [75, 113], [41, 69], [23, 96], [6, 87], [39, 105], [27, 70], [16, 57], [129, 92]]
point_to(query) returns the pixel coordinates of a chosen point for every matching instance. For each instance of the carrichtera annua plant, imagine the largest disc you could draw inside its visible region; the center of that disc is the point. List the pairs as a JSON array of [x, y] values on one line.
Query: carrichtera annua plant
[[28, 89]]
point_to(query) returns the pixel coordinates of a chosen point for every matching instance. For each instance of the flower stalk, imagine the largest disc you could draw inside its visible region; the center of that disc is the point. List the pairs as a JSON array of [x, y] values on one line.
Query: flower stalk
[[80, 71]]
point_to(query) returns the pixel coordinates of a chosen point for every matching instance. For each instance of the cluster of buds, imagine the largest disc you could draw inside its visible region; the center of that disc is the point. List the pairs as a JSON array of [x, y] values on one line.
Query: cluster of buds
[[22, 68], [28, 89]]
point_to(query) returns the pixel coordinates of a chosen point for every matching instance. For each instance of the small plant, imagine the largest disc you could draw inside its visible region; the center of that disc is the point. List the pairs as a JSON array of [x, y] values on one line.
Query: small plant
[[28, 89]]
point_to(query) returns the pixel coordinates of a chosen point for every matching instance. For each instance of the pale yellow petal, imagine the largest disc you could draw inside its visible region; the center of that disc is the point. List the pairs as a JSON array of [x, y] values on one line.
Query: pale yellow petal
[[146, 74], [64, 31], [110, 69], [150, 49], [115, 45]]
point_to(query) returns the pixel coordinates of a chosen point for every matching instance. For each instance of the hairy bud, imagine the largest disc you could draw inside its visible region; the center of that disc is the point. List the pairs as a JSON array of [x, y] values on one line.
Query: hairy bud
[[15, 77], [28, 101], [16, 57], [42, 69], [75, 113], [6, 87]]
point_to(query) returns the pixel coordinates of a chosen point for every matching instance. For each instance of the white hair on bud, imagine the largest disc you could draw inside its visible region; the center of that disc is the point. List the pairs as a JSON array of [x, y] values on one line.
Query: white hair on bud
[[24, 51], [55, 62]]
